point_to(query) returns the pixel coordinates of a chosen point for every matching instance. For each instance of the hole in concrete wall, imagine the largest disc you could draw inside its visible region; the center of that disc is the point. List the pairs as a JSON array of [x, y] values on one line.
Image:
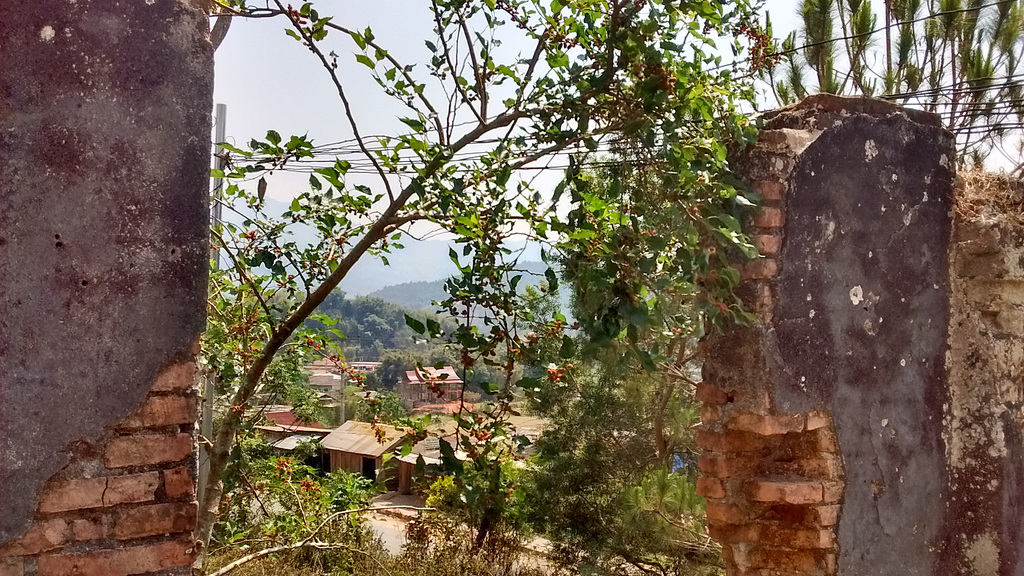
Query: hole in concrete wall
[[174, 251], [85, 282], [58, 244]]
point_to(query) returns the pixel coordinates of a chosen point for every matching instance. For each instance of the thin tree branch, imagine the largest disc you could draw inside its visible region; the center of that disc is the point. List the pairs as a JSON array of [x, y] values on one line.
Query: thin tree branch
[[304, 544], [477, 72], [344, 99], [451, 66], [245, 277], [408, 78], [220, 30]]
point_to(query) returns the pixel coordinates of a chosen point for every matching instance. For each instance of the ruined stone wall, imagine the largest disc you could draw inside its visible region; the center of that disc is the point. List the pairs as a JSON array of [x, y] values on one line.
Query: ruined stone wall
[[104, 157], [828, 424], [984, 411]]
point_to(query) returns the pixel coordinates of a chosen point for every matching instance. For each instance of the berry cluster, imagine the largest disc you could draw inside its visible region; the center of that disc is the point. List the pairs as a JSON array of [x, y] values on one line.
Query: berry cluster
[[762, 50]]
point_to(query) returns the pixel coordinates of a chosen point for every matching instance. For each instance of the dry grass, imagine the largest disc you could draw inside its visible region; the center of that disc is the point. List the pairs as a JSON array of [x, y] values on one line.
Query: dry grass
[[987, 196]]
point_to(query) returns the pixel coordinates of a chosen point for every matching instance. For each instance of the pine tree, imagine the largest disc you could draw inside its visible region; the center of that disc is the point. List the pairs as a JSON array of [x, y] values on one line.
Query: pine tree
[[958, 58]]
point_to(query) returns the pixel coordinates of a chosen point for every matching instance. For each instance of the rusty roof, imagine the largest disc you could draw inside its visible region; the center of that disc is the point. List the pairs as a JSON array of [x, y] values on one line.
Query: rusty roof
[[446, 375], [359, 438]]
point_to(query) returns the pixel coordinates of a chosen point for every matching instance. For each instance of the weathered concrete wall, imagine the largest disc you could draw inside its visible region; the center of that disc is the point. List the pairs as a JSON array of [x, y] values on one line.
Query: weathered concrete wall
[[104, 152], [846, 367], [983, 414]]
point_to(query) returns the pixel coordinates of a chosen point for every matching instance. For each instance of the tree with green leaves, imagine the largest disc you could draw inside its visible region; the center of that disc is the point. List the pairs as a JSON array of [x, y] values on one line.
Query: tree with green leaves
[[959, 59], [613, 472], [502, 86]]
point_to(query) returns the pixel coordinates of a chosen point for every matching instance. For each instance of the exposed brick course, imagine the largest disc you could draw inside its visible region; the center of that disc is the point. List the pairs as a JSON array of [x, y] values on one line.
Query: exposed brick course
[[147, 449], [791, 492], [767, 425], [770, 477], [84, 529], [128, 561], [769, 189], [724, 513], [12, 567], [709, 487], [42, 536], [769, 217], [131, 488], [163, 411], [710, 394], [760, 269], [85, 493], [725, 466], [154, 519], [73, 495], [111, 525], [767, 244], [176, 378], [178, 483]]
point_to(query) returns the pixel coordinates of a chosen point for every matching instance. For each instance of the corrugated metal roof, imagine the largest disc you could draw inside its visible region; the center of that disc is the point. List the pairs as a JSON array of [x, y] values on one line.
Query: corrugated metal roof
[[446, 375], [359, 438], [290, 442], [302, 429]]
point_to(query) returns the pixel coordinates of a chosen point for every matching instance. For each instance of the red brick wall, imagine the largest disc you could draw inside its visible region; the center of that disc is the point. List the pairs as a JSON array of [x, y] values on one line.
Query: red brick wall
[[772, 480], [125, 504]]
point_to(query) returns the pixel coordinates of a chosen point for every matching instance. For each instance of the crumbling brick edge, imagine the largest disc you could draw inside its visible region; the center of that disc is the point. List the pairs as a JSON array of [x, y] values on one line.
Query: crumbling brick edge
[[773, 481], [126, 503]]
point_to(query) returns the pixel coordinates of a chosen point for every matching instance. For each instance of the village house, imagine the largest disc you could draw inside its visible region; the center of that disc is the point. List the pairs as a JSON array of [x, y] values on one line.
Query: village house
[[355, 447], [430, 386]]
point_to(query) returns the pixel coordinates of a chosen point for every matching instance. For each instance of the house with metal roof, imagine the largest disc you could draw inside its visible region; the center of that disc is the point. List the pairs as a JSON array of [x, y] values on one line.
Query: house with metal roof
[[355, 447]]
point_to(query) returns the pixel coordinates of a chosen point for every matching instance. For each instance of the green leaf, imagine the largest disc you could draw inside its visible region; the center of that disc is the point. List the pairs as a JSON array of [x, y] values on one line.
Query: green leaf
[[568, 348], [365, 60], [413, 123], [358, 39], [558, 59], [273, 137], [415, 324], [552, 279], [434, 327]]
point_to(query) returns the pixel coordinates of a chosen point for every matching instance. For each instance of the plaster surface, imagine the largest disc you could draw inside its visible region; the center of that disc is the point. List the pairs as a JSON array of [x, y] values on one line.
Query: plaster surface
[[104, 156], [861, 330]]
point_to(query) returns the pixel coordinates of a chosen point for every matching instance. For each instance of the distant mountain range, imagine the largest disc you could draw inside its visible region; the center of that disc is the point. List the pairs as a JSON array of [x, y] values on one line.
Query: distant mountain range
[[418, 295], [424, 262]]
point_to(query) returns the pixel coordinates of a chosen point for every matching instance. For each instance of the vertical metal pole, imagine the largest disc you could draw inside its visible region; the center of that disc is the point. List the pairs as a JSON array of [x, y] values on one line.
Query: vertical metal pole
[[220, 134], [206, 426], [341, 398]]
